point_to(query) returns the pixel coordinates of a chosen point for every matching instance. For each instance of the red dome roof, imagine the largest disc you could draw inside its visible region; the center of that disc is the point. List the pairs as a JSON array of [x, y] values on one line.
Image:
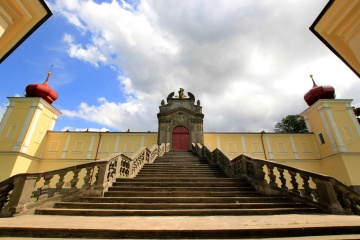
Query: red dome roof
[[42, 90], [319, 92]]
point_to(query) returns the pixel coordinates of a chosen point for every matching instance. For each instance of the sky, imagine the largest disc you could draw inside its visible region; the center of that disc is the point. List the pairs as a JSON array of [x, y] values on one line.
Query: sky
[[247, 61]]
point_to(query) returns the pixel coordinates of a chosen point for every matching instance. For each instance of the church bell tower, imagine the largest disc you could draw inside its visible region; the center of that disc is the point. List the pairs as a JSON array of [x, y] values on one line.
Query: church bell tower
[[180, 121]]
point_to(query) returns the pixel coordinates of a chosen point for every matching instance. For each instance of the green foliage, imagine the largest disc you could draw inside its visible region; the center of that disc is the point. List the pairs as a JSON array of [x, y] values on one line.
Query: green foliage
[[357, 111], [291, 124]]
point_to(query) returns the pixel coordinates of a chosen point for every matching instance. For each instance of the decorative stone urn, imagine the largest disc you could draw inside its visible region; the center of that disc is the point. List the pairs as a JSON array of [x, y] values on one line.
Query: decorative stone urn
[[180, 121]]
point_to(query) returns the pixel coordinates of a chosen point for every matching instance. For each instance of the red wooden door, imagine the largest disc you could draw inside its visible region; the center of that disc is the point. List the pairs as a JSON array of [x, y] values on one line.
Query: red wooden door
[[180, 138]]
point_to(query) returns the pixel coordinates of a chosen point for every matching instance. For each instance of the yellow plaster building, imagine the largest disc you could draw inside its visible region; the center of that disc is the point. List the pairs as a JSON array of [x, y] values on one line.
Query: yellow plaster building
[[29, 144], [18, 20]]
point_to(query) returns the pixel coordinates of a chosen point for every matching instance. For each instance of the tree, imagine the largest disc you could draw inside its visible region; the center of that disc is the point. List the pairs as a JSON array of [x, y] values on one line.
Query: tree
[[291, 124], [357, 113]]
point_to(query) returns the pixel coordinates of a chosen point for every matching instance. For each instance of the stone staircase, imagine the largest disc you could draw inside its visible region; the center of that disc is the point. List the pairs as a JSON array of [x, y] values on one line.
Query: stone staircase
[[180, 184]]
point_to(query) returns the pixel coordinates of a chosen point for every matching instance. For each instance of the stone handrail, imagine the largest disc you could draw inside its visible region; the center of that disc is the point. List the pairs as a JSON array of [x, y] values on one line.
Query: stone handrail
[[273, 178], [22, 191]]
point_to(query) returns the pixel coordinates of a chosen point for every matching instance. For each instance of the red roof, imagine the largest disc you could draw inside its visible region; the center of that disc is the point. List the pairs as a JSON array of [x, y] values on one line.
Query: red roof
[[319, 92], [42, 90]]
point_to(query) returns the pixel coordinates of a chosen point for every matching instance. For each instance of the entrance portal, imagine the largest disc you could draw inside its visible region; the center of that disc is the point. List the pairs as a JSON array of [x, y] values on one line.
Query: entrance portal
[[180, 138]]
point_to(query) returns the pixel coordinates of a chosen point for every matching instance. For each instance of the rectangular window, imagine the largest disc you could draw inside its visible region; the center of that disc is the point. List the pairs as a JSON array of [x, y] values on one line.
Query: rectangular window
[[348, 133], [38, 137], [231, 147], [321, 138], [78, 147], [129, 147], [305, 146], [281, 147], [11, 132], [256, 148], [54, 145]]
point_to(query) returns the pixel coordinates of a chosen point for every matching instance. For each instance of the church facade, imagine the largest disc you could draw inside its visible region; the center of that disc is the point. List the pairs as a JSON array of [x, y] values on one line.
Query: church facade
[[29, 144]]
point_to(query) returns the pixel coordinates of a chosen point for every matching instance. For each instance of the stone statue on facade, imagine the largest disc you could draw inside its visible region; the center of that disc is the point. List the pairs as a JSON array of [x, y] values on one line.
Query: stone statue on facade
[[181, 93]]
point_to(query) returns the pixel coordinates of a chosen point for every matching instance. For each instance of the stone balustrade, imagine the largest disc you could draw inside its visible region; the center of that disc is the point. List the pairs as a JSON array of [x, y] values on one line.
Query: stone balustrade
[[23, 192], [272, 178]]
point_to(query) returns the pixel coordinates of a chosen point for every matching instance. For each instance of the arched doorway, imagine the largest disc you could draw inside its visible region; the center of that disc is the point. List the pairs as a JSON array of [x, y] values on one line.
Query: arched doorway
[[180, 138]]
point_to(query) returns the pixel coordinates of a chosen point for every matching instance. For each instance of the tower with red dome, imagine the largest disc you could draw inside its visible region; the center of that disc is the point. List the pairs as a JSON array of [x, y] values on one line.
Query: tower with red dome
[[25, 123], [335, 128], [43, 91], [318, 92]]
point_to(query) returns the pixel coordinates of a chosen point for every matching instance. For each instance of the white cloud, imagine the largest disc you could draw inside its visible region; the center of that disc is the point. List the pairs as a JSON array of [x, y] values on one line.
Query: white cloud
[[73, 129], [114, 115], [2, 110], [248, 61], [90, 54]]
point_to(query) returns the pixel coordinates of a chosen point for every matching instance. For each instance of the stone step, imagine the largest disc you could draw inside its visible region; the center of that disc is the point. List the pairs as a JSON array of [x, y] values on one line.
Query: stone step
[[182, 194], [181, 188], [293, 226], [167, 177], [159, 173], [176, 175], [180, 162], [174, 212], [181, 167], [182, 179], [163, 206], [180, 184], [257, 199], [181, 158], [172, 170]]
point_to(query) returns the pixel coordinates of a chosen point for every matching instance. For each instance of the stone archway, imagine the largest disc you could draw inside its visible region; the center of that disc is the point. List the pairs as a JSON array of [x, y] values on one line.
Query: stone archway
[[180, 138], [180, 111]]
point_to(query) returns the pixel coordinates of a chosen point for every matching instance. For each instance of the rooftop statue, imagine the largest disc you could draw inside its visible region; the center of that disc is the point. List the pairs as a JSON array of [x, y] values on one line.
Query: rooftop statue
[[181, 93]]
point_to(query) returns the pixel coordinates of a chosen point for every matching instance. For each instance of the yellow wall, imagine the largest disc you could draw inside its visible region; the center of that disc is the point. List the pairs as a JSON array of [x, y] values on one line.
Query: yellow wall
[[278, 146], [25, 124], [352, 166], [94, 145], [335, 120], [14, 163]]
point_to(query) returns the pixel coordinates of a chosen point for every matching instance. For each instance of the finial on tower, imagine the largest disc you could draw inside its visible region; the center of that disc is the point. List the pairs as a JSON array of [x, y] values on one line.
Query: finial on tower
[[42, 90], [49, 73], [314, 84]]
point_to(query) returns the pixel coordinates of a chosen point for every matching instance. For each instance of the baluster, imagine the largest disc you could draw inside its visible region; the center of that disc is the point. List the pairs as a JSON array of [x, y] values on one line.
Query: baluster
[[272, 176], [294, 183], [354, 205], [282, 178], [60, 183], [75, 179], [147, 155], [111, 170], [250, 168], [87, 178], [306, 186], [44, 191], [129, 170], [259, 174], [118, 167], [96, 175], [4, 194], [343, 200]]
